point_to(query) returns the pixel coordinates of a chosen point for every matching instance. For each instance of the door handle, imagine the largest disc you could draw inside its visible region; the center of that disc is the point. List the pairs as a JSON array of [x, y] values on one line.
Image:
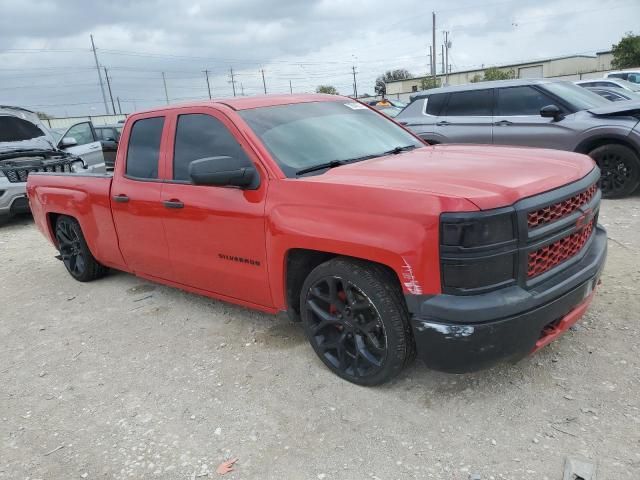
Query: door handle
[[442, 123], [94, 147], [173, 203], [122, 198], [503, 123]]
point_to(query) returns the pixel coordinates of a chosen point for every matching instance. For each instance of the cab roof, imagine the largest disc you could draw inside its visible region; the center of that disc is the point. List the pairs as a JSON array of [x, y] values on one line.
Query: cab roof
[[246, 103]]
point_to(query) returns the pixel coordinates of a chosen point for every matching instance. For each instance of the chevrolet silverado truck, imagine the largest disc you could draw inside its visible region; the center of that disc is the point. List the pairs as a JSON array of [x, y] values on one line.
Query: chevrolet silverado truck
[[318, 206]]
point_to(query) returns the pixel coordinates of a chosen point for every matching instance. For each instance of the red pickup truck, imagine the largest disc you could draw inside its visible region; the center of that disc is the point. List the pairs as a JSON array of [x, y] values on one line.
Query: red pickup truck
[[382, 246]]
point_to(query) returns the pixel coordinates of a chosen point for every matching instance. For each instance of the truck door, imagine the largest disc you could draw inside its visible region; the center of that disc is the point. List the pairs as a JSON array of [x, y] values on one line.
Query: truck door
[[216, 235], [135, 200]]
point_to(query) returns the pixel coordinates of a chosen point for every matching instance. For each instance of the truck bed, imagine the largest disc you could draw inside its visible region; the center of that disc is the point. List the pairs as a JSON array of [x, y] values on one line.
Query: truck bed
[[84, 196]]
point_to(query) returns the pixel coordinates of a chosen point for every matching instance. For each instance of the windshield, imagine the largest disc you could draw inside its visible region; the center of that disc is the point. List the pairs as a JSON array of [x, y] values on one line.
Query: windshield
[[578, 97], [303, 135]]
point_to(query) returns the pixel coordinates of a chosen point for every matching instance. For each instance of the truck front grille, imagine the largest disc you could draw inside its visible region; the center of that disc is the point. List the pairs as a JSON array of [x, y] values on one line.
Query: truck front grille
[[558, 210], [554, 254]]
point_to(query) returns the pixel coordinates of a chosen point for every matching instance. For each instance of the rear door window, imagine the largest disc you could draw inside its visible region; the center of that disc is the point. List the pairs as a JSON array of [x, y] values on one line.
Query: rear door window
[[435, 103], [143, 152], [521, 101], [475, 103]]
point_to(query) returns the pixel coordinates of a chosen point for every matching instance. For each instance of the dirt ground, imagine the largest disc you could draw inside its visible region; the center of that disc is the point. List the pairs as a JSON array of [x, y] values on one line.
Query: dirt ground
[[120, 378]]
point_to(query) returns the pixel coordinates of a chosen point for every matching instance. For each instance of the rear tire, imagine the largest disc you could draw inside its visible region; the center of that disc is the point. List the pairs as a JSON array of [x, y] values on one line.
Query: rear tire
[[75, 253], [620, 170], [356, 319]]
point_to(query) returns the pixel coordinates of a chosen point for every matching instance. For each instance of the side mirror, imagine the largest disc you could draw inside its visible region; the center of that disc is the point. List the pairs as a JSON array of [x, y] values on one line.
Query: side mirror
[[68, 142], [224, 171], [552, 111]]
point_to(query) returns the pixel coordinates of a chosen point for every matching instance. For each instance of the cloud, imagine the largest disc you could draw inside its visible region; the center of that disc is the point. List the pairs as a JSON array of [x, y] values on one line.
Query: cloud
[[46, 61]]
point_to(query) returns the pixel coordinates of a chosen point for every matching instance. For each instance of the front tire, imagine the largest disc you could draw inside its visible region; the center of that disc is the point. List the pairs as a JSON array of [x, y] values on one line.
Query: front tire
[[74, 251], [356, 319], [620, 170]]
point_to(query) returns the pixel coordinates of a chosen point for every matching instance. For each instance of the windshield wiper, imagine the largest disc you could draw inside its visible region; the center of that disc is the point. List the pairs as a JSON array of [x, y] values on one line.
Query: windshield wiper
[[397, 150], [338, 163], [321, 166]]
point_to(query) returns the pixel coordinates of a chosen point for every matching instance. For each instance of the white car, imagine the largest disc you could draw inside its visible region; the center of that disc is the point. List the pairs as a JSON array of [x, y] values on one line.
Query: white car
[[27, 146], [632, 76], [610, 83]]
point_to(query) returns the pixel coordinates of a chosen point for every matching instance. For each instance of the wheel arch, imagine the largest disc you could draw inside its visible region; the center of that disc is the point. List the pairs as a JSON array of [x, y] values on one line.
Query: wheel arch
[[591, 143], [299, 262]]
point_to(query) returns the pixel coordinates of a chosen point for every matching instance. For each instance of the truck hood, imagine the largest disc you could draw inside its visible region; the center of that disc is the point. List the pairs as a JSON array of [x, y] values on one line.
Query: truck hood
[[488, 176]]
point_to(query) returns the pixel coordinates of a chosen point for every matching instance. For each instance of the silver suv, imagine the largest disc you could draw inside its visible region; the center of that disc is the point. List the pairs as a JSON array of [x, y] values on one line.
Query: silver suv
[[536, 113]]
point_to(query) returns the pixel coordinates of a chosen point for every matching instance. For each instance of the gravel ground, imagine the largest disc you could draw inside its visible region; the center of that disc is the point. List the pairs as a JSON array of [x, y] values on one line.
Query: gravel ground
[[125, 379]]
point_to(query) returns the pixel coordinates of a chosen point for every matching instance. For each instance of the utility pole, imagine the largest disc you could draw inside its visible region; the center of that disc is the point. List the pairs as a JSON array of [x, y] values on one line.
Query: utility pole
[[430, 61], [95, 56], [206, 74], [241, 89], [106, 76], [290, 88], [433, 43], [355, 84], [166, 93], [233, 82], [446, 56], [442, 58], [119, 107], [263, 82]]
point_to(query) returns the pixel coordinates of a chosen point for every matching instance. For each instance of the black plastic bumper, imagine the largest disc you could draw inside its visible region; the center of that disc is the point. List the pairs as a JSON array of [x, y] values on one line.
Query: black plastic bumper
[[465, 333]]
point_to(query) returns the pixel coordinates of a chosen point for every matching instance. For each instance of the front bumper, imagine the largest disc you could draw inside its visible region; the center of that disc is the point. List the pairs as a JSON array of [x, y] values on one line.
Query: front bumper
[[13, 198], [465, 333]]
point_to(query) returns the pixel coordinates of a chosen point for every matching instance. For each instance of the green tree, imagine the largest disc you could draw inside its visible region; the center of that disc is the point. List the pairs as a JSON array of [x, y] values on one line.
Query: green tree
[[429, 82], [494, 73], [329, 89], [626, 53], [390, 76]]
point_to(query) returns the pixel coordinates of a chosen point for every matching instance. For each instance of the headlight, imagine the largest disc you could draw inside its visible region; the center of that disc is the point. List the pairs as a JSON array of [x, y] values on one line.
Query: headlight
[[477, 250], [475, 230]]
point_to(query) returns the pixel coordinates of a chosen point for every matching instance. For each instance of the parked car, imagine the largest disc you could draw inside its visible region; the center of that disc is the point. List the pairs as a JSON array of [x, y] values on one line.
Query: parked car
[[25, 146], [614, 94], [109, 136], [632, 76], [318, 206], [389, 111], [610, 83], [81, 139], [387, 102], [536, 113]]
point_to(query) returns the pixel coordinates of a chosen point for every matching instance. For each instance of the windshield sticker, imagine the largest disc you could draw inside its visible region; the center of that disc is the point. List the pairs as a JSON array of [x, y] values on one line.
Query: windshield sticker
[[355, 106]]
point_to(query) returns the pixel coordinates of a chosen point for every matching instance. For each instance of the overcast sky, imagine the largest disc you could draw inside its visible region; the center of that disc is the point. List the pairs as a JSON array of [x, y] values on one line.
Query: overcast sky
[[46, 62]]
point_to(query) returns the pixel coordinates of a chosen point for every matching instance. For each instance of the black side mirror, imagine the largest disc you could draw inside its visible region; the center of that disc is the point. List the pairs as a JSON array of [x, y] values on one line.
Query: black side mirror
[[224, 171], [552, 111]]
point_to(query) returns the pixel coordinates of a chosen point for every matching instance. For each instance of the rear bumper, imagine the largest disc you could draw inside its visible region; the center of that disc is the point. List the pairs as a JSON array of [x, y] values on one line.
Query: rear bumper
[[13, 198], [465, 333]]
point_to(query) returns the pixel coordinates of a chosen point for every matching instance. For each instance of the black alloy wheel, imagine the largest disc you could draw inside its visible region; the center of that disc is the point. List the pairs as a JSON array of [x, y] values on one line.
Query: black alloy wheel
[[354, 322], [74, 252], [620, 170]]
